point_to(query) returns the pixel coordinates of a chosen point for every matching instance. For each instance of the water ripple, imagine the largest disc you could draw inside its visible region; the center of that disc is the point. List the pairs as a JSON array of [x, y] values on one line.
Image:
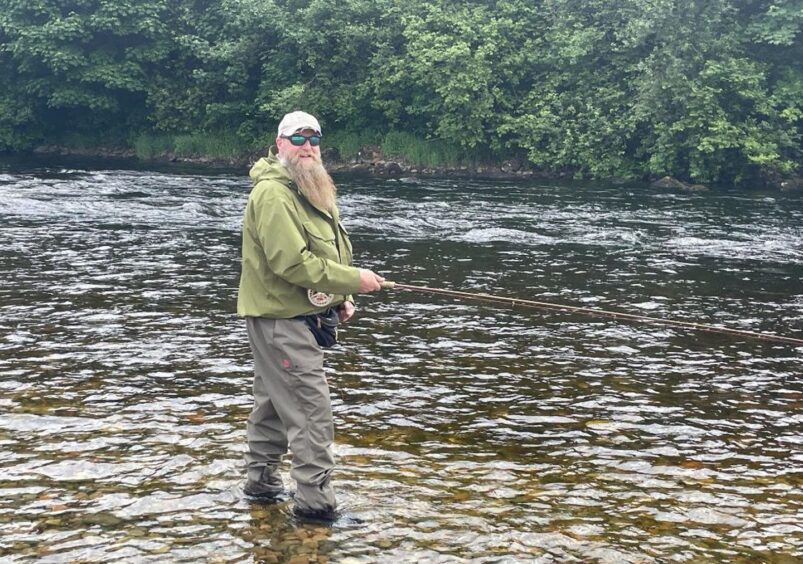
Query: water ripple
[[465, 432]]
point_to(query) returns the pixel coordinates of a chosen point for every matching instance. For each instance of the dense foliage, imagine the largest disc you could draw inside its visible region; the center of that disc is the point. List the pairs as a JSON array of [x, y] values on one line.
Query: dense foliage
[[702, 90]]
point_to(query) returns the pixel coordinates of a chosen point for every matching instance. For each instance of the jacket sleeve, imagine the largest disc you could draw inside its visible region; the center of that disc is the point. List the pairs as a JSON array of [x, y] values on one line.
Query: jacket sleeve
[[281, 237]]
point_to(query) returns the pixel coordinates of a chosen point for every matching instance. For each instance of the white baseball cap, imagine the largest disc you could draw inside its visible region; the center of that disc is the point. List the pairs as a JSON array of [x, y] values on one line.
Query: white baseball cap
[[296, 121]]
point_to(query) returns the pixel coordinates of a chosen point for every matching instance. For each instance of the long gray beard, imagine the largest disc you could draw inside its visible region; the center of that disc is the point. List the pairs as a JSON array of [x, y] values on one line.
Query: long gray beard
[[313, 182]]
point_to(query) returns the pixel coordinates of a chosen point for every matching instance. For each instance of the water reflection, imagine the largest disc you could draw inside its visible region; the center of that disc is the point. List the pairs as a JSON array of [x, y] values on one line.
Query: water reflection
[[464, 431]]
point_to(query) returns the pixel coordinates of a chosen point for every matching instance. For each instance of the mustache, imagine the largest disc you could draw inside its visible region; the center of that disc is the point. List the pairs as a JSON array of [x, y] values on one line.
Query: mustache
[[301, 154]]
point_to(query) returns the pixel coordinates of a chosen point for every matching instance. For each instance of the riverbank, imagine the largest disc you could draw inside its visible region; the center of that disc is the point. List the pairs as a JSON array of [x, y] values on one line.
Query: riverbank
[[370, 160]]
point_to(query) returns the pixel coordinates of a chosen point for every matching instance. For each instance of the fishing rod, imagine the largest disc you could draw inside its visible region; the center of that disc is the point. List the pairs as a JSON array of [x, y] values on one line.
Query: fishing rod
[[595, 312]]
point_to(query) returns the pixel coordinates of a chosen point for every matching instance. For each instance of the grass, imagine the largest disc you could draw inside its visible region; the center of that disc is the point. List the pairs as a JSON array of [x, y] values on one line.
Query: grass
[[415, 150], [213, 145], [410, 148], [81, 140], [431, 153], [348, 143], [148, 146]]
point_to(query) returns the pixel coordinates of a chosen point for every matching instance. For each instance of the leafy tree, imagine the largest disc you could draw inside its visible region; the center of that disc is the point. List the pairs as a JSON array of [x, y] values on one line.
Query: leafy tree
[[576, 113], [453, 70], [78, 65], [211, 79], [320, 61], [709, 91]]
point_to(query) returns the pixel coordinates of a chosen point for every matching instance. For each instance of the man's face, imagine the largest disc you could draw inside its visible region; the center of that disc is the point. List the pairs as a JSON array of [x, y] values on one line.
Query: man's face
[[305, 155]]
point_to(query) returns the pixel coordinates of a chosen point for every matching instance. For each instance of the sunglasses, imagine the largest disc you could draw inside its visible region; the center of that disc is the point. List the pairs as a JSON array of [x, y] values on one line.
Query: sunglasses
[[298, 139]]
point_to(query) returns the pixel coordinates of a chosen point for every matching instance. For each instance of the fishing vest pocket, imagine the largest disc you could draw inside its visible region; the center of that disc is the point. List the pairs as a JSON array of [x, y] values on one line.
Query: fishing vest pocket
[[319, 244], [344, 236]]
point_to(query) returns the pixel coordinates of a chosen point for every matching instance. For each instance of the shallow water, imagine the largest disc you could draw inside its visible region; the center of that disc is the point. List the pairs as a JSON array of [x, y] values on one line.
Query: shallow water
[[465, 432]]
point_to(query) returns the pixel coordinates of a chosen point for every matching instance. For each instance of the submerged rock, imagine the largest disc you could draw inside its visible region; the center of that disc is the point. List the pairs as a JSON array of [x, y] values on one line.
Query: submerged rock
[[511, 165], [669, 183], [792, 184], [393, 169], [369, 154], [330, 154]]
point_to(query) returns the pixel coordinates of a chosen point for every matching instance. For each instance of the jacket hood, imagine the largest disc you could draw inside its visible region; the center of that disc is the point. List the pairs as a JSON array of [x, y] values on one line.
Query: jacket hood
[[269, 168]]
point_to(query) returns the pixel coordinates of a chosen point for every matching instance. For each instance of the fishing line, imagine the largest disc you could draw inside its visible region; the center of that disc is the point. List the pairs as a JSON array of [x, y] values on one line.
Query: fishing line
[[595, 312]]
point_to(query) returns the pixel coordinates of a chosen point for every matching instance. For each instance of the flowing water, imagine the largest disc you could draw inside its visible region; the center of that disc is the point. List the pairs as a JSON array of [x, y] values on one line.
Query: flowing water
[[464, 432]]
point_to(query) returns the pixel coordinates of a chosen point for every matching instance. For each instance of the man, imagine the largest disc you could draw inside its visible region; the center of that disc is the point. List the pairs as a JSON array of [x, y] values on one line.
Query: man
[[296, 262]]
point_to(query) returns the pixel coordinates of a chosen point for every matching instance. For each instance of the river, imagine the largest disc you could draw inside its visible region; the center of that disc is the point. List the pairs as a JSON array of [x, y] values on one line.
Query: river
[[464, 432]]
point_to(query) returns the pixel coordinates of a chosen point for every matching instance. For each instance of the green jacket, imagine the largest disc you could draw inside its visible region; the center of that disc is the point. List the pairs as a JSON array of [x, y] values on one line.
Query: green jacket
[[290, 246]]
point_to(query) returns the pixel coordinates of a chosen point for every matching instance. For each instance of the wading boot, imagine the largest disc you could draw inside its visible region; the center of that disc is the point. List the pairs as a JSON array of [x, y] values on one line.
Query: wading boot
[[323, 517], [269, 486], [326, 518]]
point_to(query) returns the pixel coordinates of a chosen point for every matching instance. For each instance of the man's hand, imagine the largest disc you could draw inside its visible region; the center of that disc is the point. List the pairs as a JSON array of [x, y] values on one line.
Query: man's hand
[[369, 281], [345, 311]]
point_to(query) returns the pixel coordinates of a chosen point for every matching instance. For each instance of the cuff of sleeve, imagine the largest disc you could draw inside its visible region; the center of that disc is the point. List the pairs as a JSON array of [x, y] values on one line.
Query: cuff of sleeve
[[348, 280]]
